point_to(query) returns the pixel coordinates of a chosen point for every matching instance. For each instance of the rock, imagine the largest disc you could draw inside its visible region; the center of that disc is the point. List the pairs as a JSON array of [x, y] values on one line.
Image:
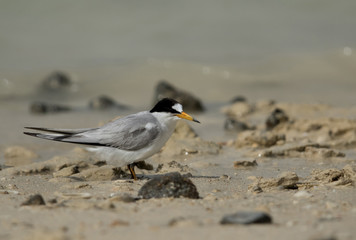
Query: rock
[[236, 125], [43, 107], [170, 185], [245, 164], [167, 90], [246, 217], [277, 116], [104, 102], [34, 200], [238, 99], [144, 165], [56, 81]]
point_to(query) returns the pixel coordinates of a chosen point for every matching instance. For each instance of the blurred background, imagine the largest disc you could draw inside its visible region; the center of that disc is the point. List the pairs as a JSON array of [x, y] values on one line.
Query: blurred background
[[295, 51]]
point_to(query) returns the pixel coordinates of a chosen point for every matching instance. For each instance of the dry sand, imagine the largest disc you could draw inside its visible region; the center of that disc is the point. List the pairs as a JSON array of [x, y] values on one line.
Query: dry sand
[[302, 173]]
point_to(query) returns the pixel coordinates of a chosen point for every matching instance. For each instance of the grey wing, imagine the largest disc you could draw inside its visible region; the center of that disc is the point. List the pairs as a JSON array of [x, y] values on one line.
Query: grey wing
[[129, 133]]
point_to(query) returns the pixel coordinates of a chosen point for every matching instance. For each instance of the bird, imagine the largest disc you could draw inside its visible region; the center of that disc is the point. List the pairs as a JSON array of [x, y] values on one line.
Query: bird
[[126, 140]]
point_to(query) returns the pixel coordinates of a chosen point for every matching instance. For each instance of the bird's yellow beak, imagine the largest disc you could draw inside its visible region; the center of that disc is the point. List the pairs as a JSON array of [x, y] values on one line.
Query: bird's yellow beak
[[186, 116]]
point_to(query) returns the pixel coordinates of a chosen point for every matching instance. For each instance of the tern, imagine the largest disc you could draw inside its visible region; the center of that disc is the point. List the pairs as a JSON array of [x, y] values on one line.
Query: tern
[[126, 140]]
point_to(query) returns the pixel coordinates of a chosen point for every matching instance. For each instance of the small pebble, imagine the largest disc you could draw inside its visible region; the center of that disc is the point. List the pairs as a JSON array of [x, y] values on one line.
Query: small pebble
[[238, 99], [277, 116], [56, 81], [246, 217], [236, 125], [34, 200], [245, 164], [44, 107], [104, 102]]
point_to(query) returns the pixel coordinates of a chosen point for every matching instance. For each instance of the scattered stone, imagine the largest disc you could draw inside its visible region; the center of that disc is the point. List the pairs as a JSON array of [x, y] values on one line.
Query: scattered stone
[[34, 200], [104, 102], [277, 116], [170, 185], [245, 164], [236, 125], [144, 165], [44, 107], [247, 217], [167, 90], [56, 81], [238, 99]]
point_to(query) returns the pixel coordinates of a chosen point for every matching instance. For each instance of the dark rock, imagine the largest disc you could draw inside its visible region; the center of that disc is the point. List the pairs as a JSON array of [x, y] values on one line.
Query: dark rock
[[34, 200], [56, 81], [169, 185], [238, 99], [104, 102], [245, 164], [236, 125], [245, 217], [144, 165], [42, 108], [277, 116], [167, 90]]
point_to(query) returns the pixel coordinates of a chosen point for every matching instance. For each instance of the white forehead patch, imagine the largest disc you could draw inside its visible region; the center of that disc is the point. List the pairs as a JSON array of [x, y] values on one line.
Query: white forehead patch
[[178, 107]]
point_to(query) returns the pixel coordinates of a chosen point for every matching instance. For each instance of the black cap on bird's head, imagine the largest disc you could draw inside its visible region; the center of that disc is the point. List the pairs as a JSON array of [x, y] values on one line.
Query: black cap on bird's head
[[172, 106]]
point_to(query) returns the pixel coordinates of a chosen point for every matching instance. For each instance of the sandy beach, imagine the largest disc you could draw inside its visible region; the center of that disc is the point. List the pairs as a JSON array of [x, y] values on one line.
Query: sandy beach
[[278, 127]]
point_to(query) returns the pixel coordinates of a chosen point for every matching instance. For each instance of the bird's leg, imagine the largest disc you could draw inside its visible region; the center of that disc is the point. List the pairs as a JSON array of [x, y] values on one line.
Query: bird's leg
[[131, 168]]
